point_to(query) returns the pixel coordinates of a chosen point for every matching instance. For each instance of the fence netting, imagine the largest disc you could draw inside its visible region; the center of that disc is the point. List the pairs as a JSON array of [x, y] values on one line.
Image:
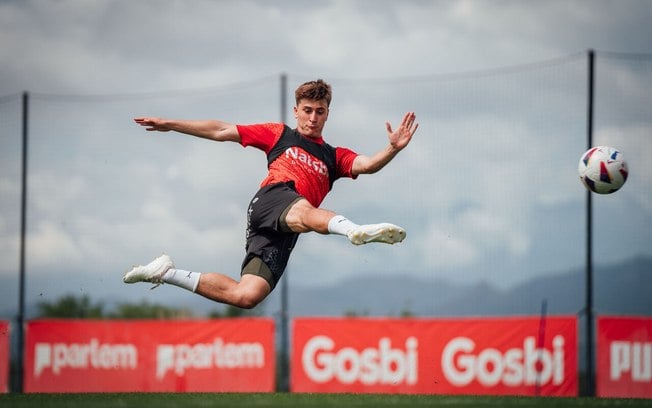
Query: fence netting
[[487, 190]]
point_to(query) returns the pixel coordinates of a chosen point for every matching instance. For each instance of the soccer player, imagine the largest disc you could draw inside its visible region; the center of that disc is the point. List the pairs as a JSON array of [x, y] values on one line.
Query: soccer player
[[302, 169]]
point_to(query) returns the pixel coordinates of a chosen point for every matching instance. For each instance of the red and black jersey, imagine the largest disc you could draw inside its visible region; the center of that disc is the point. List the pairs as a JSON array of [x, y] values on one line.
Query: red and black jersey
[[311, 163]]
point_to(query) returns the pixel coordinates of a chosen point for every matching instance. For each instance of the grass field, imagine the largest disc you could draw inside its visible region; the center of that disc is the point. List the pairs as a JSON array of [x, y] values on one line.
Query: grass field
[[161, 400]]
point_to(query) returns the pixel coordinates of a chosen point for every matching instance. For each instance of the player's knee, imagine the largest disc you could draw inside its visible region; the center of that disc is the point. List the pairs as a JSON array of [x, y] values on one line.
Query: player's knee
[[249, 300], [295, 216]]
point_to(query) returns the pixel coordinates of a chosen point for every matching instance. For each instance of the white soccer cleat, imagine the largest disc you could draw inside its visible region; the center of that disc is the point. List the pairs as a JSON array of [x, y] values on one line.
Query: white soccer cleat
[[384, 232], [152, 272]]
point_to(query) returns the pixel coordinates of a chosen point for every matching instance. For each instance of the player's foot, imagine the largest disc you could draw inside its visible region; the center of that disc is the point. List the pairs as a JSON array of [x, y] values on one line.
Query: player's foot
[[152, 272], [387, 233]]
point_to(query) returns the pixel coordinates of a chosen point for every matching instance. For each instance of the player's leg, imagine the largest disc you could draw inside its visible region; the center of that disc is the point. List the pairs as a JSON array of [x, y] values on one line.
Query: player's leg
[[246, 293], [268, 251], [302, 216]]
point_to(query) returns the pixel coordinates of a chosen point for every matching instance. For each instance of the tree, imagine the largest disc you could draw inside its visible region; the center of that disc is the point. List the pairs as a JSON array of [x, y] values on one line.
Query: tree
[[146, 310], [350, 313], [71, 307], [232, 312]]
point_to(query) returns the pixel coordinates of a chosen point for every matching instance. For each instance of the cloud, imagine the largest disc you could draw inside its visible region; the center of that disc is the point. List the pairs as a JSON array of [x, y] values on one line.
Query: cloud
[[79, 46], [441, 249], [51, 247], [487, 187]]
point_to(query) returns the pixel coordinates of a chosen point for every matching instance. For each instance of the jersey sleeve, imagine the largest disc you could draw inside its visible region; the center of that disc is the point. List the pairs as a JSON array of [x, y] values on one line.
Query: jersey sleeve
[[261, 136], [344, 158]]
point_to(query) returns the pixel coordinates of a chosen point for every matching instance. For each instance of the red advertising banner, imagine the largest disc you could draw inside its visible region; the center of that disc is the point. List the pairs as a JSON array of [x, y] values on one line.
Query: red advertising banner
[[490, 356], [624, 357], [4, 356], [234, 355]]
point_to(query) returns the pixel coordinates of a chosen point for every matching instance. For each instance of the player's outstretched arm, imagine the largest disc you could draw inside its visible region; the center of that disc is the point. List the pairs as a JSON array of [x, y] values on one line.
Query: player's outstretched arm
[[398, 140], [208, 129]]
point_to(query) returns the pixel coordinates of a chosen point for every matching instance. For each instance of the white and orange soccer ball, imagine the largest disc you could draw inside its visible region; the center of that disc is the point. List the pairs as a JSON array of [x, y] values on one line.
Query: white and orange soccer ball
[[603, 169]]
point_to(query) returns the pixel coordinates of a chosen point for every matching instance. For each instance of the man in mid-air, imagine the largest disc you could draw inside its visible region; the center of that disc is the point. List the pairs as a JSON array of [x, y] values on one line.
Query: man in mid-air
[[302, 169]]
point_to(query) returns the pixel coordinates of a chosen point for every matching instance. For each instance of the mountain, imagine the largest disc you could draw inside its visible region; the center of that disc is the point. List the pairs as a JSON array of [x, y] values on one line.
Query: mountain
[[624, 288]]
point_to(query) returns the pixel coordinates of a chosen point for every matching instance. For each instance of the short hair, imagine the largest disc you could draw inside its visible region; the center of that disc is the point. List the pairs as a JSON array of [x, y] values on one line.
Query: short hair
[[314, 90]]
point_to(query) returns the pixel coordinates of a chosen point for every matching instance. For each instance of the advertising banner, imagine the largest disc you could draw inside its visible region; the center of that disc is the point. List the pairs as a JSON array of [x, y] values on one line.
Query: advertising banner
[[624, 357], [226, 355], [490, 356], [4, 356]]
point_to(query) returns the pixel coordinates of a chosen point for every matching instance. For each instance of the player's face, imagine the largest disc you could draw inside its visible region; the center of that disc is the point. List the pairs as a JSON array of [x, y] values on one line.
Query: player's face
[[311, 117]]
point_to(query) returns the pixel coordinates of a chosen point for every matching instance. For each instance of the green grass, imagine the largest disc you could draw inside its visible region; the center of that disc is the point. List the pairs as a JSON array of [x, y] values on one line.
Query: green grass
[[163, 400]]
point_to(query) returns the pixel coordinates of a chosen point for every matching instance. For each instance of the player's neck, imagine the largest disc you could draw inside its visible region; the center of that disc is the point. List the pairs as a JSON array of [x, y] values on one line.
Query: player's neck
[[315, 139]]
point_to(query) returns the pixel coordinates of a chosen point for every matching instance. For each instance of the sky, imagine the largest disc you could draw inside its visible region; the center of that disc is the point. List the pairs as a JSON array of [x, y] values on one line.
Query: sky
[[487, 190]]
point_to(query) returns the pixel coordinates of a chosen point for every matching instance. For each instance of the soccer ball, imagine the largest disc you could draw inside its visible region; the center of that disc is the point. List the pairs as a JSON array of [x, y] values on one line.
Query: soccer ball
[[603, 169]]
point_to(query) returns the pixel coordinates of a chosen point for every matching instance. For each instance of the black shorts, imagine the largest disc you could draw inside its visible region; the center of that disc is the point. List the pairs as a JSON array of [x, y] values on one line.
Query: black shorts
[[269, 240]]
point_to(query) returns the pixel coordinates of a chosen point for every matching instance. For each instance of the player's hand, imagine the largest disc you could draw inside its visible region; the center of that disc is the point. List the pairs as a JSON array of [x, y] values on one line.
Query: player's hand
[[400, 137], [152, 124]]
